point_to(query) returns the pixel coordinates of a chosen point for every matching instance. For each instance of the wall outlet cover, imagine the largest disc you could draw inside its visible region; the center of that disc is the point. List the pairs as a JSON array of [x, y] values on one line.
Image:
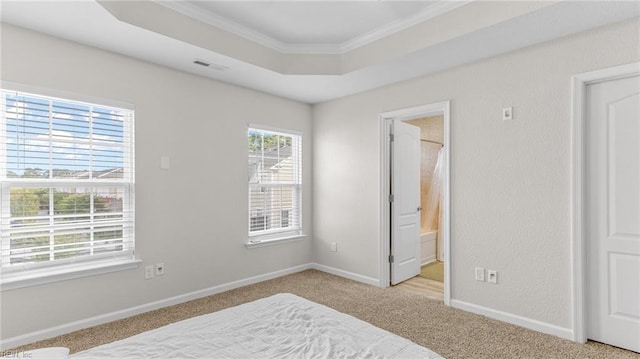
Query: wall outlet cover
[[492, 276], [507, 113], [160, 269]]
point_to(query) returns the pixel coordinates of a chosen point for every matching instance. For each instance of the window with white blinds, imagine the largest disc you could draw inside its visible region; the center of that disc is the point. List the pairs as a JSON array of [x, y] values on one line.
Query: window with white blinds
[[66, 181], [275, 184]]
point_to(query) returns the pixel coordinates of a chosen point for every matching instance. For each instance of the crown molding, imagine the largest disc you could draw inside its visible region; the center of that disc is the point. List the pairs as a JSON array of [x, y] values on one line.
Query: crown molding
[[430, 12], [213, 19], [312, 49]]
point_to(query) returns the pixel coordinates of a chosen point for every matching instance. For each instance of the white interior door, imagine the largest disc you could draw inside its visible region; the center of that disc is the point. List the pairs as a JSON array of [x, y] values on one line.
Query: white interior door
[[613, 212], [405, 206]]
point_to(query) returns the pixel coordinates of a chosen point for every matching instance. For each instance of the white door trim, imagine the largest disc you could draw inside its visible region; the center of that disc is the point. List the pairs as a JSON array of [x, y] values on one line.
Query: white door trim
[[579, 84], [439, 108]]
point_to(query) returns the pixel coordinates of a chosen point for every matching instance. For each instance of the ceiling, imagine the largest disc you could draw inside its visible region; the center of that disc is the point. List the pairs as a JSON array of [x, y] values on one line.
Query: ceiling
[[312, 51], [309, 26], [313, 22]]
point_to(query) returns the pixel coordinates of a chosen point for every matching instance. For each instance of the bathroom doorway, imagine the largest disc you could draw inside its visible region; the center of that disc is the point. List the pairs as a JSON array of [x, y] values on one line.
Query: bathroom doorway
[[431, 165], [434, 255]]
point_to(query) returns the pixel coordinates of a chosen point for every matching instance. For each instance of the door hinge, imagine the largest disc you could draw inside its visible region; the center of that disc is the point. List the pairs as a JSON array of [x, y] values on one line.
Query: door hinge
[[391, 197], [391, 137], [391, 258]]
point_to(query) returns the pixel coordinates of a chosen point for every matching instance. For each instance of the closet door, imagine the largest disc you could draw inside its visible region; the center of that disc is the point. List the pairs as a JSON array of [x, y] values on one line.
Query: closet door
[[613, 212]]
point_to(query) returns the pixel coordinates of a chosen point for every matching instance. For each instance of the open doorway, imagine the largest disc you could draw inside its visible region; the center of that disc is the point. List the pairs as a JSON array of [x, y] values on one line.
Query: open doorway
[[428, 245], [431, 163]]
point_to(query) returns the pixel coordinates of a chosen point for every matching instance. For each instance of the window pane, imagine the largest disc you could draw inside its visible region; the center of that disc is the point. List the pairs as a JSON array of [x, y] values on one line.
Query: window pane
[[257, 203], [73, 244], [69, 160], [70, 121], [108, 203], [27, 137], [72, 204], [108, 125], [108, 240], [108, 162], [32, 248], [27, 132], [28, 202], [109, 206]]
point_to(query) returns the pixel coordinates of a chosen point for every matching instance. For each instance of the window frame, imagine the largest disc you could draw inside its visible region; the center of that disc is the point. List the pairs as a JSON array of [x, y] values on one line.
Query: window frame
[[279, 235], [36, 273]]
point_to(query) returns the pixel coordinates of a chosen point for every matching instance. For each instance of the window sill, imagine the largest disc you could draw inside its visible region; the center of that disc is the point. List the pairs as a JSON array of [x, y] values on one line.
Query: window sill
[[255, 243], [50, 275]]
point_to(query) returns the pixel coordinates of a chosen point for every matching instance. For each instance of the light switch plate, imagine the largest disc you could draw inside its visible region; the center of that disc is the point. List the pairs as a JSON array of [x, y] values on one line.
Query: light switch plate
[[164, 162], [507, 113]]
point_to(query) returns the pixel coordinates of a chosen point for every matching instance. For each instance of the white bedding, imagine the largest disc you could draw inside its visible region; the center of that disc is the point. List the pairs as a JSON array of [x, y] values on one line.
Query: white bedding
[[281, 326]]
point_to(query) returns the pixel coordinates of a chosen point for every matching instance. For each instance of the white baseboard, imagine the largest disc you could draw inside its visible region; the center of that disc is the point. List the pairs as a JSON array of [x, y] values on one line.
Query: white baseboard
[[528, 323], [346, 274], [120, 314], [428, 260]]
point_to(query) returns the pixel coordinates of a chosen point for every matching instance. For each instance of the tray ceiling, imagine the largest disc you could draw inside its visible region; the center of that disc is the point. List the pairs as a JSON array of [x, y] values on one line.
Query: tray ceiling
[[312, 26]]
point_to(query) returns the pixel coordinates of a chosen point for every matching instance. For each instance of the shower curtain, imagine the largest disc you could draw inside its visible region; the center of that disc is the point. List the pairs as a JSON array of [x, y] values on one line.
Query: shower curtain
[[435, 195]]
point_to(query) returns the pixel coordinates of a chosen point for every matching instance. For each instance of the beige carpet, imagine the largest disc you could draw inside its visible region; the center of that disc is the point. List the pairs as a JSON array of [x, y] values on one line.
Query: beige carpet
[[450, 332], [433, 271]]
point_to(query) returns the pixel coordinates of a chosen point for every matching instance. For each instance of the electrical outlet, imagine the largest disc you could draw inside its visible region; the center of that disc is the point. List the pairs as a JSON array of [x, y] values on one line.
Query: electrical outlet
[[334, 246], [160, 269], [492, 276], [148, 272], [480, 274]]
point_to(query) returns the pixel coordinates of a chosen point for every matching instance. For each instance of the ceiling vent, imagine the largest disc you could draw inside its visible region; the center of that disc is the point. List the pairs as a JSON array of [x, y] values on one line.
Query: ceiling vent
[[210, 65]]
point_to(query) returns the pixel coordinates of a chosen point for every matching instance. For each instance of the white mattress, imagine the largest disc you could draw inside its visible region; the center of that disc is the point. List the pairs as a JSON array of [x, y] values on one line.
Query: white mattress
[[281, 326]]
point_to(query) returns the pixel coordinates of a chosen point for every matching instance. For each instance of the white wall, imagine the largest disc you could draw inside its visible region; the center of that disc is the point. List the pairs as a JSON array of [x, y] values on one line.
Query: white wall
[[509, 180], [192, 217]]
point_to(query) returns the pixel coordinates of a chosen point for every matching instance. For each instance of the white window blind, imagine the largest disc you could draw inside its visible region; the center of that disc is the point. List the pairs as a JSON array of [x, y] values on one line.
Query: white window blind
[[66, 181], [275, 184]]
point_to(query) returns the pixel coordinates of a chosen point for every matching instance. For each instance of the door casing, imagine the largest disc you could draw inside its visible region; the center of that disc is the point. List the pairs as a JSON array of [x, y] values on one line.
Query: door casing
[[579, 85], [434, 109]]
